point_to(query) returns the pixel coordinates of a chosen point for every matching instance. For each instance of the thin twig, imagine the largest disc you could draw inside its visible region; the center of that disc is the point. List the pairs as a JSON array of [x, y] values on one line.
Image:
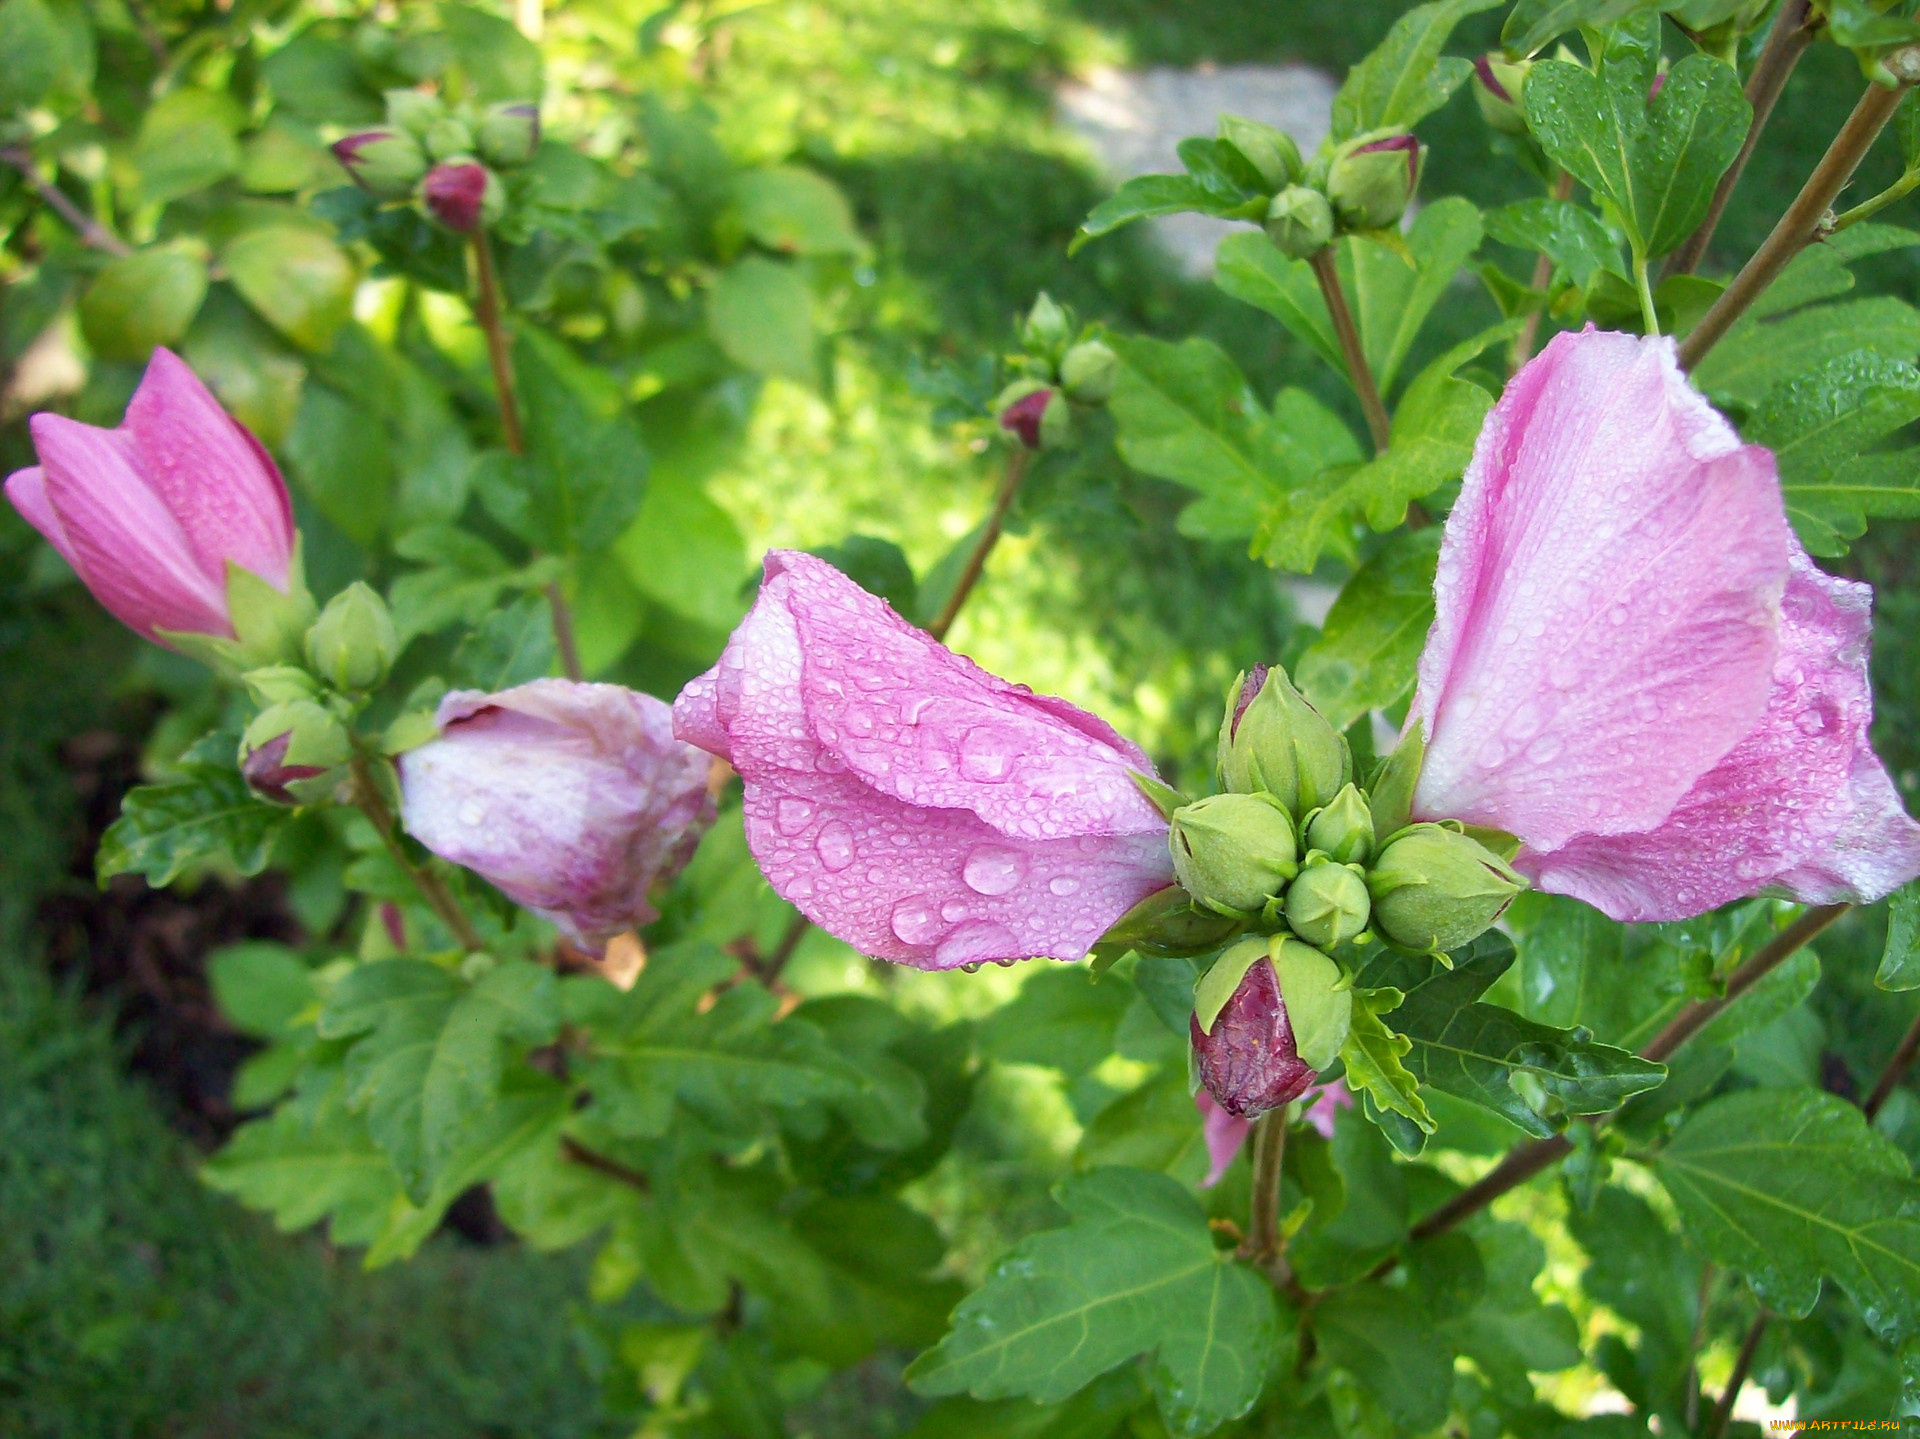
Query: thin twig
[[90, 230], [1522, 350], [1867, 209], [370, 802], [1017, 459], [1801, 223], [1742, 1365], [1895, 1071], [592, 1158], [1787, 41], [1358, 371]]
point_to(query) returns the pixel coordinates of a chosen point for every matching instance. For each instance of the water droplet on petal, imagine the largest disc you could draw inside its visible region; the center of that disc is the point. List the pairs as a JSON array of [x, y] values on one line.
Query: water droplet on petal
[[859, 722], [987, 755], [792, 815], [991, 869], [1544, 749], [473, 813], [915, 922], [953, 911], [976, 943], [1063, 885], [1811, 722], [835, 845]]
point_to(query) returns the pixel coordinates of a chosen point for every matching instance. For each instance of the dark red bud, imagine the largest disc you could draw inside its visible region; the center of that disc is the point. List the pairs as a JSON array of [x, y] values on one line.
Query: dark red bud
[[394, 922], [1659, 84], [1249, 1063], [456, 194], [1483, 67], [1398, 142], [1249, 691], [267, 774], [1023, 417]]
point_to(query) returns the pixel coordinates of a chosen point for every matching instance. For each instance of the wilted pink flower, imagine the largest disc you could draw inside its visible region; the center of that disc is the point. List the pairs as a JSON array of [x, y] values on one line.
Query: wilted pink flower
[[572, 798], [909, 802], [1225, 1135], [462, 195], [1634, 667], [1248, 1061], [151, 514]]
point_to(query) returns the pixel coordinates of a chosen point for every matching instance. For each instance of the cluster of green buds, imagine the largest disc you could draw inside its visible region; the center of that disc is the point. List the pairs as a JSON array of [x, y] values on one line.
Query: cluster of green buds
[[446, 158], [1364, 183], [1309, 867], [1059, 367], [297, 748]]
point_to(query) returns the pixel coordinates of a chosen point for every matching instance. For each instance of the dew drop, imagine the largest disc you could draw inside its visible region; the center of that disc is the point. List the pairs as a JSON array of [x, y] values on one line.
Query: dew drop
[[473, 813], [791, 816], [835, 845], [953, 911], [991, 869], [1811, 722], [914, 921], [987, 755], [1617, 615], [975, 943], [1063, 885], [859, 722], [1544, 749]]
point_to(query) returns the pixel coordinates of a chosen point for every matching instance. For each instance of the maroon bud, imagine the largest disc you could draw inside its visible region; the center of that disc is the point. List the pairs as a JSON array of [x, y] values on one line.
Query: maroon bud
[[1249, 690], [1483, 67], [1659, 84], [268, 774], [1248, 1061], [394, 922], [462, 195], [383, 162], [1025, 416]]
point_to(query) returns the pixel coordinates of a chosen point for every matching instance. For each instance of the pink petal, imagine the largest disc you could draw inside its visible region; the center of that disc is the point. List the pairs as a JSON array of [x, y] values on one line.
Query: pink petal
[[571, 798], [27, 491], [1326, 1107], [1224, 1134], [211, 473], [940, 888], [1607, 599], [930, 727], [119, 536], [909, 802], [1800, 806]]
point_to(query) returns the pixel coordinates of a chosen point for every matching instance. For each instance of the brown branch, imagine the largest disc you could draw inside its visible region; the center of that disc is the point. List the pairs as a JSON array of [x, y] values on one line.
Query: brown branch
[[370, 802], [1742, 1365], [1787, 41], [1801, 223], [90, 230], [1358, 372], [592, 1159], [1895, 1071], [1017, 461], [1542, 277]]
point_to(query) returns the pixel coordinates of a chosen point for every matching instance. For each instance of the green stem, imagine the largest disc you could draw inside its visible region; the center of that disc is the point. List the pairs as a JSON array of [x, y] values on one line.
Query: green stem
[[370, 802], [1867, 209], [1359, 374], [1649, 317], [1801, 222], [1269, 1153]]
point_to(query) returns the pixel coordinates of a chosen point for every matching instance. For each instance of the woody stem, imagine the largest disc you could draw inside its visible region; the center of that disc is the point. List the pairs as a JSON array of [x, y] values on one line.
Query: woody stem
[[1017, 461], [370, 802], [1344, 330]]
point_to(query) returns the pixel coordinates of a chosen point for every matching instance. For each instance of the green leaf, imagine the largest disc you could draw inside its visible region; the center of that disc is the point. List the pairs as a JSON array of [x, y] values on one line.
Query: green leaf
[[731, 1063], [1900, 960], [1404, 77], [1134, 1271], [298, 280], [1154, 1127], [510, 647], [1376, 1060], [462, 581], [1791, 1185], [497, 61], [142, 300], [317, 78], [1063, 1018], [186, 143], [1370, 643], [1530, 1074], [1143, 198], [796, 211], [256, 377], [261, 987], [1533, 23], [1764, 354], [35, 47], [1250, 269], [1506, 1330], [1389, 1346], [760, 314], [1819, 424], [1654, 162], [428, 1060], [208, 816], [1572, 237], [341, 457], [684, 552], [310, 1159], [1185, 413]]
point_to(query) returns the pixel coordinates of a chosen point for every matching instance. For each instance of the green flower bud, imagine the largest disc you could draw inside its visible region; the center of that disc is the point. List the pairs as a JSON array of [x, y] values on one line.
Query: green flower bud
[[295, 753], [1047, 328], [1435, 889], [1270, 151], [508, 134], [448, 137], [386, 163], [1371, 183], [1343, 830], [1233, 852], [1327, 904], [1272, 740], [276, 684], [352, 645], [1088, 372], [413, 111], [1300, 222], [1497, 86]]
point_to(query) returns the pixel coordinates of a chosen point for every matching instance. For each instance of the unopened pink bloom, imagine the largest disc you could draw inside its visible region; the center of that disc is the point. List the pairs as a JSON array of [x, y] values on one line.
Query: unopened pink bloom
[[1225, 1135], [150, 514], [574, 799], [909, 802], [1634, 667], [461, 195]]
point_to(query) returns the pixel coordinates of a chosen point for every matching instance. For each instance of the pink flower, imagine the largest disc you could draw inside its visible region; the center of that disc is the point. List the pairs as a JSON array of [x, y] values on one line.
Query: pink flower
[[1248, 1060], [151, 514], [1326, 1106], [573, 799], [1634, 667], [463, 195], [1225, 1135], [909, 802]]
